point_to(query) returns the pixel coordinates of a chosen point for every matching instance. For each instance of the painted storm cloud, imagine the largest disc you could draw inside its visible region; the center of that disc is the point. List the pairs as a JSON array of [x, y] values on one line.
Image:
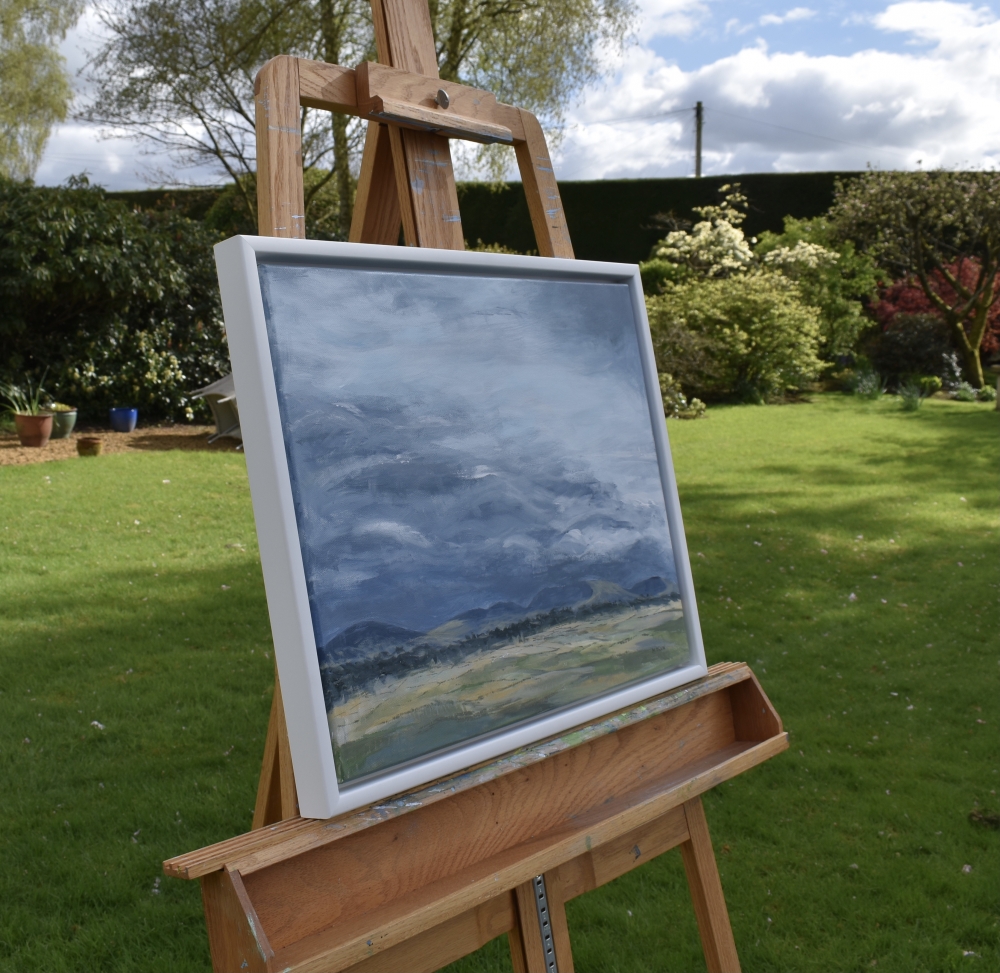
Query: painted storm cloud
[[478, 500]]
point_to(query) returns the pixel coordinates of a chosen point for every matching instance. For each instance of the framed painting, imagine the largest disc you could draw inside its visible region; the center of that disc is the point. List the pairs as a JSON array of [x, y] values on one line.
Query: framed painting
[[468, 521]]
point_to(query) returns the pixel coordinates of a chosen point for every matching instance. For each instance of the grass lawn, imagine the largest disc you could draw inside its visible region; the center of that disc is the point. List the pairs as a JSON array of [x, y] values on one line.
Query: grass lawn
[[846, 549]]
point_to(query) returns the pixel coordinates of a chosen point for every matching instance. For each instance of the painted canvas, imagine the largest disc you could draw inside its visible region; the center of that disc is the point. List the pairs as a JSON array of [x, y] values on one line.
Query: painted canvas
[[478, 499]]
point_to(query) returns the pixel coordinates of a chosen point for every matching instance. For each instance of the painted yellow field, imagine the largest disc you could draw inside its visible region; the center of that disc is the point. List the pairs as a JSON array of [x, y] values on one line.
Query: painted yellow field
[[401, 718]]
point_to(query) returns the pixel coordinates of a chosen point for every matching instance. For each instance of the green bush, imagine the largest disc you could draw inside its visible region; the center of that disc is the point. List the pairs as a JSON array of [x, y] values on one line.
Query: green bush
[[657, 274], [868, 383], [987, 393], [749, 334], [929, 384], [831, 275], [675, 402], [911, 396], [122, 307], [964, 392]]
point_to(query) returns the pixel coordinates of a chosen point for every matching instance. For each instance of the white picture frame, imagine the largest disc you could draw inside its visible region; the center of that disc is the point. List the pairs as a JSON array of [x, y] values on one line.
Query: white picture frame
[[239, 260]]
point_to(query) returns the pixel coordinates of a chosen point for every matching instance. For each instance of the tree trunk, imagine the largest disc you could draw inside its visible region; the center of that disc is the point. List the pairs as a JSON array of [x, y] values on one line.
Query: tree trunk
[[332, 27], [970, 352], [342, 176], [452, 46]]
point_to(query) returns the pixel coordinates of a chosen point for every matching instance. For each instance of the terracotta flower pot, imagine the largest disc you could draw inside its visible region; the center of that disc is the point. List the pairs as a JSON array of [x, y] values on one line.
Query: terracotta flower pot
[[33, 430], [89, 446]]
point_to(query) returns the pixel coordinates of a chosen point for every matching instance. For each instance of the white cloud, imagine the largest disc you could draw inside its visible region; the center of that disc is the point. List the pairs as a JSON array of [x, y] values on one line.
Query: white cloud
[[938, 104], [955, 29], [796, 13], [672, 18]]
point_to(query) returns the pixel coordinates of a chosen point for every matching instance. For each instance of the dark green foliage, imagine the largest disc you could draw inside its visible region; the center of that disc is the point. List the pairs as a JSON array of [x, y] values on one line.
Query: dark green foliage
[[914, 344], [229, 215], [192, 203], [121, 306], [621, 219]]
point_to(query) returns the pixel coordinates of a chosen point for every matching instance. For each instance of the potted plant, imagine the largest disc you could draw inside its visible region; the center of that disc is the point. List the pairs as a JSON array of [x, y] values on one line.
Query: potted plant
[[34, 424], [63, 419], [124, 418]]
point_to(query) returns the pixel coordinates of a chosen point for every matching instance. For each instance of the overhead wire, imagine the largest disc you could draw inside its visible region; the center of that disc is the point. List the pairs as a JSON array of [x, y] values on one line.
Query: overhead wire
[[719, 111], [786, 128]]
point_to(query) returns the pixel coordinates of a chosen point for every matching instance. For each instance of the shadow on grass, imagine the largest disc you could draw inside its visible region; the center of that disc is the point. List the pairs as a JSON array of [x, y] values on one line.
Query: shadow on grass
[[163, 441], [135, 733]]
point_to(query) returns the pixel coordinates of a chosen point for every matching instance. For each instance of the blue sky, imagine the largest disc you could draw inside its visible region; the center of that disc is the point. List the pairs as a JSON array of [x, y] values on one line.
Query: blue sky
[[451, 446], [708, 31], [792, 86]]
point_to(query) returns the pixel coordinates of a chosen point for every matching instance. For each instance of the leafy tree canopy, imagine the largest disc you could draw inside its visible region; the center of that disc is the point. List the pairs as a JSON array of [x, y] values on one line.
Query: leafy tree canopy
[[34, 89], [937, 228], [179, 73]]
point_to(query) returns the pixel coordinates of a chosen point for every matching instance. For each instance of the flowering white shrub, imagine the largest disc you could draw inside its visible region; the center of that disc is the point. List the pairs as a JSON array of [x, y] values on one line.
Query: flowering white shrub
[[803, 256], [714, 247]]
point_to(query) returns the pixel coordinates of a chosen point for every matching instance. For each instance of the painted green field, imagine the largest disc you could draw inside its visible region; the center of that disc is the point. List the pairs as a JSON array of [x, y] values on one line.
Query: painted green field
[[846, 549]]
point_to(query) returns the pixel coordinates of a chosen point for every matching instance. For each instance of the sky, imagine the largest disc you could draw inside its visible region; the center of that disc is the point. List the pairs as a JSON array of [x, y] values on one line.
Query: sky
[[786, 88], [451, 448]]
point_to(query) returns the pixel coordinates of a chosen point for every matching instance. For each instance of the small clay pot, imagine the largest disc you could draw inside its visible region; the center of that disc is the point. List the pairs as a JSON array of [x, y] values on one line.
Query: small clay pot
[[89, 446], [63, 423], [33, 430]]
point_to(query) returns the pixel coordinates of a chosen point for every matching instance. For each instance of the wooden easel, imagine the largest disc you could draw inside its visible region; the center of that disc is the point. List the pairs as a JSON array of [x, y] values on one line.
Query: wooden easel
[[418, 881]]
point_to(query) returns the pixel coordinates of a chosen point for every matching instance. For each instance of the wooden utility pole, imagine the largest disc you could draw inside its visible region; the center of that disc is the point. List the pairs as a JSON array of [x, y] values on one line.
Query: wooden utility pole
[[699, 120]]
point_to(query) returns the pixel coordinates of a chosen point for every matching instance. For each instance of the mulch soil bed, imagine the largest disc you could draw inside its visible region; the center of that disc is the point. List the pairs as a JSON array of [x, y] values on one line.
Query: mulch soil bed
[[151, 438]]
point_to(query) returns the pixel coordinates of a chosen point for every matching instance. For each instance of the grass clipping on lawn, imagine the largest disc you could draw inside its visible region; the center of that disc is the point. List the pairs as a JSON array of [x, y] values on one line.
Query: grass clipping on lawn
[[846, 549]]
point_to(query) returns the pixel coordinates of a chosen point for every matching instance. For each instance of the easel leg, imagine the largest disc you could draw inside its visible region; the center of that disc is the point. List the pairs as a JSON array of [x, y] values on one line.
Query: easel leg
[[555, 893], [706, 893], [276, 797], [376, 206], [539, 942], [425, 185]]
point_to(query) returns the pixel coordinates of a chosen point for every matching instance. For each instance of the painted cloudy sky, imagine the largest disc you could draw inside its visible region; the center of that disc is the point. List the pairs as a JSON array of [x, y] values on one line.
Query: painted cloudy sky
[[461, 441]]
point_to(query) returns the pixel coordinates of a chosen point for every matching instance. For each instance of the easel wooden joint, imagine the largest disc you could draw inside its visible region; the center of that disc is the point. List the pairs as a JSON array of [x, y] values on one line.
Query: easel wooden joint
[[420, 881]]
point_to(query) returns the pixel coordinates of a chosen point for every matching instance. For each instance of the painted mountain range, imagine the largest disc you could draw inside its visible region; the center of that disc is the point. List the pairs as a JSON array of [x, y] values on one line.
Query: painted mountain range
[[372, 640]]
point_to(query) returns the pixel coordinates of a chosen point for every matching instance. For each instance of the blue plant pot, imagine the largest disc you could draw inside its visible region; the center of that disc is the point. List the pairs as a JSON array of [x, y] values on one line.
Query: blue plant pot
[[124, 418]]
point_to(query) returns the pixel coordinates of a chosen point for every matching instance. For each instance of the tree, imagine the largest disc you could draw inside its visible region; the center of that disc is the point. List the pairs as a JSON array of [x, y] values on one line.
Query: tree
[[179, 73], [35, 91], [907, 297], [117, 306], [922, 226]]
